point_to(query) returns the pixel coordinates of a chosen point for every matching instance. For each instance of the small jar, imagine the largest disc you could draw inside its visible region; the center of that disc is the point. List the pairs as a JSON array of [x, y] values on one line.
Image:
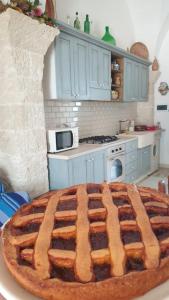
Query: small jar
[[117, 80]]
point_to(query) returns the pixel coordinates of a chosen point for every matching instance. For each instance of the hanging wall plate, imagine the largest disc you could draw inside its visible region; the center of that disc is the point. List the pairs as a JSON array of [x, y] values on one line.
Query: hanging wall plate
[[163, 88]]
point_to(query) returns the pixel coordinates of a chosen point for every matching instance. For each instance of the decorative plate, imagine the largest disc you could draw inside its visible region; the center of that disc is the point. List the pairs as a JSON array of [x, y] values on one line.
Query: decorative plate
[[140, 50]]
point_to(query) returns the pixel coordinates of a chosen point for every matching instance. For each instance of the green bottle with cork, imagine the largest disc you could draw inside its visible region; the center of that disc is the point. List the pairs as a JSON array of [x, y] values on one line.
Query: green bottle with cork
[[77, 22], [87, 25]]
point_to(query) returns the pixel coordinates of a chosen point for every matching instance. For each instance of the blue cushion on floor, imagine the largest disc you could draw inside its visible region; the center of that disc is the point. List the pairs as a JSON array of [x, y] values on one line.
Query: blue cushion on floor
[[10, 203], [1, 188]]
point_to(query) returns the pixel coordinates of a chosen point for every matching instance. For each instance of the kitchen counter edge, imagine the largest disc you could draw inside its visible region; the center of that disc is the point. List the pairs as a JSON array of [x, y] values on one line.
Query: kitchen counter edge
[[87, 149]]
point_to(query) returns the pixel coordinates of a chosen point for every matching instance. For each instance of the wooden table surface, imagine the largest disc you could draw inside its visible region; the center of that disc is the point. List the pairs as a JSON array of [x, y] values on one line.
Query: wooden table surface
[[1, 297]]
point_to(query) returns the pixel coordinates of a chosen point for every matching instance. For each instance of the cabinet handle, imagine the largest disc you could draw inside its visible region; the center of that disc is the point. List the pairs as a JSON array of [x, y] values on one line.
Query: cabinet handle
[[77, 95]]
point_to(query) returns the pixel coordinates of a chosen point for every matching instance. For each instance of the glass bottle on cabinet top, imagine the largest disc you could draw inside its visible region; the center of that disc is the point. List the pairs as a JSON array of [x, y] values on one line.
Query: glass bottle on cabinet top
[[108, 37], [77, 22], [87, 24]]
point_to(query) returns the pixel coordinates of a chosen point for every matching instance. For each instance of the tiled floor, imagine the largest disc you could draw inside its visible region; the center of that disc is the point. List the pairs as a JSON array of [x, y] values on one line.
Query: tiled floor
[[152, 180]]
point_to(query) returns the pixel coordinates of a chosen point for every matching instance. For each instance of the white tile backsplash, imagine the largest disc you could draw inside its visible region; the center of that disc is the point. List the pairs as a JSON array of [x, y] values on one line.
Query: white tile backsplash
[[93, 117]]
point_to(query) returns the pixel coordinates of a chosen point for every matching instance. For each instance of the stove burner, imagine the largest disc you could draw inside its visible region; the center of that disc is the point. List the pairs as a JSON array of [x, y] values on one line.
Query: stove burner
[[100, 139]]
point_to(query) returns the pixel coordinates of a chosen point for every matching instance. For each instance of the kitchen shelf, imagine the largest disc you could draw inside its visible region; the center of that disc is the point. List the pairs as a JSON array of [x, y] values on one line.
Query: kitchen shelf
[[115, 86], [115, 71]]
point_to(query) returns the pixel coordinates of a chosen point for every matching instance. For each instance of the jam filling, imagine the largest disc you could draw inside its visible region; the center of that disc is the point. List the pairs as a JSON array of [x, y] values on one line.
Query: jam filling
[[64, 274], [134, 264], [63, 244], [20, 260], [147, 199], [120, 201], [130, 236], [94, 204], [59, 224], [37, 209], [29, 228], [67, 205], [126, 216], [117, 189], [92, 189], [156, 212], [100, 218], [70, 193], [164, 253], [99, 240], [23, 262], [102, 272], [161, 233]]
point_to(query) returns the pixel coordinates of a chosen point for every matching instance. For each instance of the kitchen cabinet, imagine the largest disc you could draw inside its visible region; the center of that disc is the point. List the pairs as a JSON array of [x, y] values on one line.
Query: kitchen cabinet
[[144, 79], [131, 161], [83, 70], [135, 85], [72, 68], [65, 84], [83, 169], [78, 67], [100, 73], [144, 161]]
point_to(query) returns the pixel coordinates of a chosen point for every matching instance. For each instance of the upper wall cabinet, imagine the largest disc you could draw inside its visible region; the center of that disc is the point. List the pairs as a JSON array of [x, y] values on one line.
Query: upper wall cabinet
[[135, 85], [100, 73], [72, 68], [82, 70], [78, 67]]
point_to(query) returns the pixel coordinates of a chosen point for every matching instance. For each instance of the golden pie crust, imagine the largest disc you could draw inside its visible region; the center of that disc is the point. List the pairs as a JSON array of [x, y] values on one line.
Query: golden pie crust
[[90, 242]]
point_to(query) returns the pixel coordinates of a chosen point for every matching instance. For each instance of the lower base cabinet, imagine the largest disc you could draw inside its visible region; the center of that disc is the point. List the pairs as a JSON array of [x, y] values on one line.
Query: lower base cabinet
[[131, 161], [144, 161], [83, 169]]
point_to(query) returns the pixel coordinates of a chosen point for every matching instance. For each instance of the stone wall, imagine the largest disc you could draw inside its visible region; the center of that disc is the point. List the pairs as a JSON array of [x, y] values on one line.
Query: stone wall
[[23, 161]]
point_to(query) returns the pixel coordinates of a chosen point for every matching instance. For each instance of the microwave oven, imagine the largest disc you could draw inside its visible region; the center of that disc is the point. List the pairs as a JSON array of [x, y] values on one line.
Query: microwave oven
[[61, 139]]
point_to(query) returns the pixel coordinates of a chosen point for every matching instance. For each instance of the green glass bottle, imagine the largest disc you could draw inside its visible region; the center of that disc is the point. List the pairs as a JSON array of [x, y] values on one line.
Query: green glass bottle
[[108, 37], [77, 22], [87, 24]]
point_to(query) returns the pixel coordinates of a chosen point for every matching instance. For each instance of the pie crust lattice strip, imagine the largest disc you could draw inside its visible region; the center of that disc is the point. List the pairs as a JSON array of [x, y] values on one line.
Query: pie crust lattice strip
[[90, 241]]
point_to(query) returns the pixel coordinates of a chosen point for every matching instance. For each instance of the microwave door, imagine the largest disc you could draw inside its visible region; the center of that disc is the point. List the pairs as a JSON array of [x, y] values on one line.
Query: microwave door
[[64, 140]]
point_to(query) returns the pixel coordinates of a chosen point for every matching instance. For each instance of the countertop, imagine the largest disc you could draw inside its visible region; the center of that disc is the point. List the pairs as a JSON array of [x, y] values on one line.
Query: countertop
[[89, 148]]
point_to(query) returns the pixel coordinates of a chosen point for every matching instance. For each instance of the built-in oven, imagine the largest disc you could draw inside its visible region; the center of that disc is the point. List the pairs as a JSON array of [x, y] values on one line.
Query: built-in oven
[[115, 163]]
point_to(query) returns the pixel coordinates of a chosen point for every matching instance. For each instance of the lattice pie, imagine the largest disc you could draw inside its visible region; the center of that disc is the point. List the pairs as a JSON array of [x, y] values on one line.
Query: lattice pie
[[90, 242]]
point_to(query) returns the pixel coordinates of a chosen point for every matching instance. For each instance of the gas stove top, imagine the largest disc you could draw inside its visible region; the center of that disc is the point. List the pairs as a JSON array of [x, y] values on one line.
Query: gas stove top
[[100, 139]]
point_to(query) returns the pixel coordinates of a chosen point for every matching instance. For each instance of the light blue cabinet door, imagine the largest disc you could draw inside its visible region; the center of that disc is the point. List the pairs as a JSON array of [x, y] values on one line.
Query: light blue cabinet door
[[100, 73], [99, 166], [81, 59], [78, 170], [94, 59], [105, 72], [146, 159], [65, 67], [96, 167], [136, 81], [58, 173], [139, 163], [144, 80], [128, 81]]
